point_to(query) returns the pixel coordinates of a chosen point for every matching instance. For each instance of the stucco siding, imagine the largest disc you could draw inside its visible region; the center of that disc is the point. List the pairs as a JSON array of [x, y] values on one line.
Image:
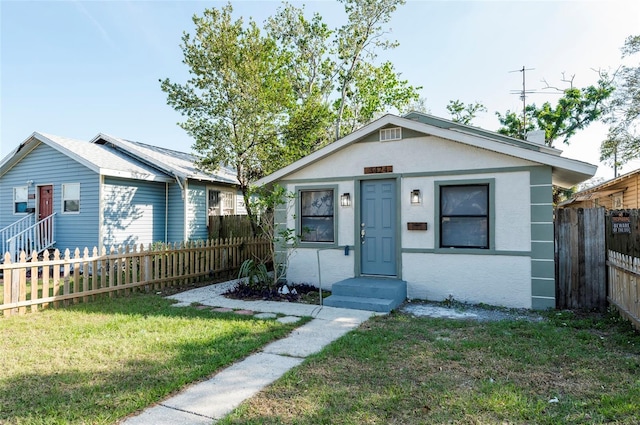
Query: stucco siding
[[133, 212], [303, 266], [496, 280], [417, 155], [46, 166]]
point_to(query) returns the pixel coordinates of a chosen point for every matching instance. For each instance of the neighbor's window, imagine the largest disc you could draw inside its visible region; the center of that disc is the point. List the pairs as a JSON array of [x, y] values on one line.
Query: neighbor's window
[[71, 197], [316, 215], [20, 197], [464, 216]]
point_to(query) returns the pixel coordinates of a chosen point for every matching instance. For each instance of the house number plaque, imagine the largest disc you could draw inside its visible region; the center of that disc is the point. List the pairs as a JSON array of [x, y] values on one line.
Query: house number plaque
[[378, 170]]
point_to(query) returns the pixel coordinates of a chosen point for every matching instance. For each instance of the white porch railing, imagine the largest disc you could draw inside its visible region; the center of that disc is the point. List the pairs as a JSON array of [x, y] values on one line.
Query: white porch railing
[[13, 229], [35, 238]]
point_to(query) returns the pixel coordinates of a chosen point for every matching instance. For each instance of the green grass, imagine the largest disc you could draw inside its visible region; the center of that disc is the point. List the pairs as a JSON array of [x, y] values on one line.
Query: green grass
[[97, 362], [399, 369]]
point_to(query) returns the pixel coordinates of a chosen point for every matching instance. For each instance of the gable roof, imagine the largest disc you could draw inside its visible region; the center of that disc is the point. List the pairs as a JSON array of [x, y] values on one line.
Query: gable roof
[[174, 163], [566, 172], [101, 159], [601, 190]]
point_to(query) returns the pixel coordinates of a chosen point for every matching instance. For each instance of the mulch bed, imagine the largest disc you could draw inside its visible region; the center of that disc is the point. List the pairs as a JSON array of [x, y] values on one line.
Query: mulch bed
[[303, 293]]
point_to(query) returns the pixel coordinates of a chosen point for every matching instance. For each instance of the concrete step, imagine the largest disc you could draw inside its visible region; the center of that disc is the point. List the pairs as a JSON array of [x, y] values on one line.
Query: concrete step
[[371, 288], [383, 305]]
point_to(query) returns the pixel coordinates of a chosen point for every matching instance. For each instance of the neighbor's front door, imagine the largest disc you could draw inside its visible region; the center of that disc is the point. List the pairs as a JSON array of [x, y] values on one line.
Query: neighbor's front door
[[45, 201], [378, 228]]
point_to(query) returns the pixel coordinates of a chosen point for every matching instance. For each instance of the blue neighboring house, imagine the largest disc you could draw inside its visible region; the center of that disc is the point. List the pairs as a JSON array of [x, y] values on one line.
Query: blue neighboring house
[[66, 193]]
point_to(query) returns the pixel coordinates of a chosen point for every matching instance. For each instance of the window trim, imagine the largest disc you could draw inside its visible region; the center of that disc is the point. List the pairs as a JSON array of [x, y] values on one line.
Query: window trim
[[491, 183], [298, 216], [394, 132], [15, 201], [63, 199]]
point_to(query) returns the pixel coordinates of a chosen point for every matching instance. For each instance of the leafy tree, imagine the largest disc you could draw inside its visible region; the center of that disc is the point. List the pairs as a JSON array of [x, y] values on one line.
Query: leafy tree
[[236, 96], [575, 110], [462, 113], [357, 77], [623, 140], [326, 61]]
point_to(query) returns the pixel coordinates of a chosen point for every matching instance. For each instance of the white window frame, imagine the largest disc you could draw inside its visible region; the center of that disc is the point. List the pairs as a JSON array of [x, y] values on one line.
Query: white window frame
[[389, 134], [16, 200], [66, 198]]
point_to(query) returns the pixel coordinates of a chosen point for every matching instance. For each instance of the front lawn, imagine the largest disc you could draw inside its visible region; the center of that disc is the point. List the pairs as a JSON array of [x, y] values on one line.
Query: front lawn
[[98, 362], [397, 369]]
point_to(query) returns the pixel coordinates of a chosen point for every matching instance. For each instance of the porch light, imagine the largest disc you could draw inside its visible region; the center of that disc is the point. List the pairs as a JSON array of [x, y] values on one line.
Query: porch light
[[415, 196], [345, 200]]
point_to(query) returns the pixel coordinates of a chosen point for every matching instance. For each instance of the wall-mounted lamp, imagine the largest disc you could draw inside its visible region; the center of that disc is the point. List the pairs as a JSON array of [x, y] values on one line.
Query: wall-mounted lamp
[[29, 182], [345, 200], [415, 196]]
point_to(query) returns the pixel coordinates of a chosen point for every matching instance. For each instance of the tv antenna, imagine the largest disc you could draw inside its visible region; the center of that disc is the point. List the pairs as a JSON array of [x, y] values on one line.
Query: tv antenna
[[523, 95]]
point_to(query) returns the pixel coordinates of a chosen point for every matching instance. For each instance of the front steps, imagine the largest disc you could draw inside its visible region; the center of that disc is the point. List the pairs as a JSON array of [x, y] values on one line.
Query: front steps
[[368, 293]]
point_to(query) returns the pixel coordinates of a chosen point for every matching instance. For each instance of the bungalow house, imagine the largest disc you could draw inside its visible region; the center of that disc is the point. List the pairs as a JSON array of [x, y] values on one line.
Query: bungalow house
[[425, 208], [65, 193], [620, 193]]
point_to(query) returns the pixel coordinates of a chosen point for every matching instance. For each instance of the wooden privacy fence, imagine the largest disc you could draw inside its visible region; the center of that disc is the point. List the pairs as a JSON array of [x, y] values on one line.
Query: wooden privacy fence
[[59, 280], [580, 258], [624, 291]]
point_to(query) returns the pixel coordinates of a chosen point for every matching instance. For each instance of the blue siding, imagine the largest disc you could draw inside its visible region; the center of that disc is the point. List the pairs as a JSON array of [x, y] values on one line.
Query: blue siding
[[176, 214], [45, 165], [134, 212], [197, 211]]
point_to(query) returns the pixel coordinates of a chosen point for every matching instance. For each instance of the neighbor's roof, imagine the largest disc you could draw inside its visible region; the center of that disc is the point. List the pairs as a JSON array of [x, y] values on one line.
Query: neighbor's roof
[[601, 190], [566, 172], [172, 162], [101, 159]]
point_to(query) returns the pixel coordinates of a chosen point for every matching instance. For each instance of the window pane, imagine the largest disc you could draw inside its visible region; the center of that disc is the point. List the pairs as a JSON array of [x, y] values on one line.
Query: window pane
[[20, 193], [316, 203], [71, 191], [21, 207], [71, 206], [469, 232], [317, 229], [464, 200]]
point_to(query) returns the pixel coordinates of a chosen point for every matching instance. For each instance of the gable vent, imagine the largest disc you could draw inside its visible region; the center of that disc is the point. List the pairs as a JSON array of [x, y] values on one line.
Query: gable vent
[[387, 134]]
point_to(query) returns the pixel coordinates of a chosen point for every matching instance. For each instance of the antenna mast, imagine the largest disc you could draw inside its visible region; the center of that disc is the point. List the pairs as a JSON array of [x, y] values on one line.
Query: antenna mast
[[523, 97]]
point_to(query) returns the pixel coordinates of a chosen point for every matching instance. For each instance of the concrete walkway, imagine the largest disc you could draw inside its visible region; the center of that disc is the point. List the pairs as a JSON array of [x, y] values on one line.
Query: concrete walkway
[[211, 400]]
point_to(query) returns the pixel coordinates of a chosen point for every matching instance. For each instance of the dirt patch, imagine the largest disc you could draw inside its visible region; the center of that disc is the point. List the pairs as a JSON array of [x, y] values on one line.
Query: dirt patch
[[467, 312]]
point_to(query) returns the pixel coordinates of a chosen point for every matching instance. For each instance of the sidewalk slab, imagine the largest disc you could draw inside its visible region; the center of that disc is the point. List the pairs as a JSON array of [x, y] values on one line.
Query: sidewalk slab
[[161, 415], [218, 396]]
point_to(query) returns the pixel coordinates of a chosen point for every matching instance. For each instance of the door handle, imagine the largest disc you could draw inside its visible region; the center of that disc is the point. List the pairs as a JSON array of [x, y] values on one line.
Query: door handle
[[362, 233]]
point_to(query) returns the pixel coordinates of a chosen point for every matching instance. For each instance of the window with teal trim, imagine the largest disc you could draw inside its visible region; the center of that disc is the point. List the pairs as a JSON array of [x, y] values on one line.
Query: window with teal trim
[[317, 215], [464, 216]]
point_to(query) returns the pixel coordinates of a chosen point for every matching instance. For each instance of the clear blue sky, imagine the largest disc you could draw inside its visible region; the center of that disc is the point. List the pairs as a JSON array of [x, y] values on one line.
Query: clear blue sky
[[77, 68]]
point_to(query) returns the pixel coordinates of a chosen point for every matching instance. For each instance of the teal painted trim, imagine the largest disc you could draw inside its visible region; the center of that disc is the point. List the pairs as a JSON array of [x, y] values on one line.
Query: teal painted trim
[[543, 269], [336, 202], [542, 250], [541, 213], [541, 194], [538, 303], [541, 231], [543, 288], [540, 175], [458, 251], [460, 172], [492, 213]]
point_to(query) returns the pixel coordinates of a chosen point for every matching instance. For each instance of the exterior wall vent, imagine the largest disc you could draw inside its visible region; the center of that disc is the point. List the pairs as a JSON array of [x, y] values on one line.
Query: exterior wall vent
[[387, 134]]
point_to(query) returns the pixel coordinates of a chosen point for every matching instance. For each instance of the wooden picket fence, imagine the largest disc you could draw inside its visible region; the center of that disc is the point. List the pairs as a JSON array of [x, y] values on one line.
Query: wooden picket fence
[[624, 290], [63, 279]]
